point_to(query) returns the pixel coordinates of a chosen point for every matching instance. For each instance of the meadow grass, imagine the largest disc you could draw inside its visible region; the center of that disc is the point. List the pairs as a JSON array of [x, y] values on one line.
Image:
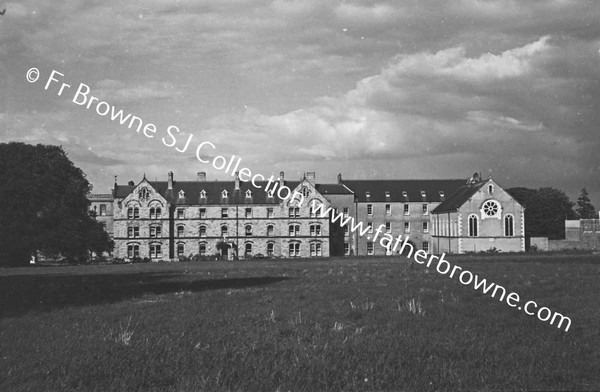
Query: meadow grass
[[359, 324]]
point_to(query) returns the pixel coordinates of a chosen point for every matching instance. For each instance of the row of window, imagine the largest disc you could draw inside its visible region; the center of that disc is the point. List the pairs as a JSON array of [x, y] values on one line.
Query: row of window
[[509, 226], [156, 231], [371, 248], [155, 213], [155, 251], [388, 209], [388, 227], [102, 210], [404, 194]]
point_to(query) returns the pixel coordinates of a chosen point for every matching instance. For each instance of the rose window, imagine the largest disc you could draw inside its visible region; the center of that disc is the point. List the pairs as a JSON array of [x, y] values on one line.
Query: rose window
[[490, 208]]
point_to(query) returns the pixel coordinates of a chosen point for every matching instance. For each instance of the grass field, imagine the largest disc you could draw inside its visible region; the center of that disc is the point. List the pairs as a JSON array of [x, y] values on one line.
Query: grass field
[[305, 325]]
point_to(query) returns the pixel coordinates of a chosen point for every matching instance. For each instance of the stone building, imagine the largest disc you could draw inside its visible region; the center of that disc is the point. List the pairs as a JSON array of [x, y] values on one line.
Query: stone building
[[102, 205], [479, 216], [168, 219]]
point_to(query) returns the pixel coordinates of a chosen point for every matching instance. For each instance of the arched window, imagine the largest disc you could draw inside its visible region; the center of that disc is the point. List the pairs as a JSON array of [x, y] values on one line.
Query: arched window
[[180, 230], [294, 230], [270, 231], [180, 249], [152, 213], [248, 250], [133, 251], [509, 226], [224, 231], [315, 230], [129, 213], [490, 189], [473, 226], [136, 213], [202, 249], [270, 248], [158, 212], [294, 249], [248, 230], [202, 231]]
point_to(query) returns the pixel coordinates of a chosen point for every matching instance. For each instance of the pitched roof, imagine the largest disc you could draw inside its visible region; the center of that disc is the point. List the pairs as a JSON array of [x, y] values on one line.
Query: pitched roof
[[403, 190], [458, 198], [214, 189]]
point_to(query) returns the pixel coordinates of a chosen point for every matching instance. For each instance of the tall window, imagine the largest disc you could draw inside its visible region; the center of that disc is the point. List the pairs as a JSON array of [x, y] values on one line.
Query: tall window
[[180, 250], [407, 227], [202, 249], [158, 213], [152, 213], [202, 231], [248, 213], [473, 226], [248, 230], [509, 225], [294, 212], [202, 213], [224, 213], [180, 213], [315, 249], [388, 209], [133, 231], [346, 212], [369, 209], [269, 212], [346, 248], [155, 251], [294, 249], [370, 248], [270, 231], [425, 209], [294, 230], [224, 231], [248, 250], [370, 227], [136, 212], [133, 251], [102, 209], [425, 227], [425, 246], [346, 230], [155, 231], [270, 249], [388, 227], [180, 231], [315, 230], [406, 209]]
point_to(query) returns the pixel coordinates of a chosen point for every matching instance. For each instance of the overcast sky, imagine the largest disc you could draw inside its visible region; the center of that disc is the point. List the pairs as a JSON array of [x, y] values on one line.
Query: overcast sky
[[371, 89]]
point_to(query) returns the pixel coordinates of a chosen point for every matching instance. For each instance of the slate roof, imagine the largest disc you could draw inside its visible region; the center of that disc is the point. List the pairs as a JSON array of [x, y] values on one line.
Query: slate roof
[[214, 190], [458, 198], [377, 190]]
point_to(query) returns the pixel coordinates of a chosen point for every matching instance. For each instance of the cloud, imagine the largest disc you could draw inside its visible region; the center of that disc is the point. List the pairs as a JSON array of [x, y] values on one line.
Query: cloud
[[120, 92]]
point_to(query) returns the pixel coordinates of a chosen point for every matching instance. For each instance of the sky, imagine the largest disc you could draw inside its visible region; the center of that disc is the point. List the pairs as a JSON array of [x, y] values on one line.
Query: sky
[[398, 89]]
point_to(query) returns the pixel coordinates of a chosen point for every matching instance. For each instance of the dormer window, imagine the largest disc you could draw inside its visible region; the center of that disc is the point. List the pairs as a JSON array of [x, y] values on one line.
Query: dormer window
[[387, 194], [423, 194], [442, 195], [224, 193], [405, 195], [248, 193], [181, 194], [270, 193], [368, 195], [203, 194]]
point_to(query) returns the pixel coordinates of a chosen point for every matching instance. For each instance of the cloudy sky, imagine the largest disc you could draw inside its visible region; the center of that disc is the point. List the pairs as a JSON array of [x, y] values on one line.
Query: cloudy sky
[[371, 89]]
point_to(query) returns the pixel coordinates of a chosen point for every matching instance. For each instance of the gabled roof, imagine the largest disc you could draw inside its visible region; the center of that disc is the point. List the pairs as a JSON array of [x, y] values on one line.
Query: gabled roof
[[214, 189], [458, 198], [401, 191]]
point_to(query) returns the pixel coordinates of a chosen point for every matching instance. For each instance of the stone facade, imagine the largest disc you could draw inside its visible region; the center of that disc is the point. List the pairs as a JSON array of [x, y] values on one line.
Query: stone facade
[[480, 216]]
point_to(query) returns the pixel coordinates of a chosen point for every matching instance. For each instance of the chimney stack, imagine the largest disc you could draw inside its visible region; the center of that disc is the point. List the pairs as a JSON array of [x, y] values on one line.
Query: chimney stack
[[237, 180], [340, 181], [170, 182], [131, 183], [310, 177], [281, 180], [201, 176]]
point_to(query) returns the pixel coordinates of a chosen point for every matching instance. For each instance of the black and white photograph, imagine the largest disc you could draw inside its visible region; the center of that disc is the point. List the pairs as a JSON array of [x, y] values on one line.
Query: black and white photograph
[[299, 195]]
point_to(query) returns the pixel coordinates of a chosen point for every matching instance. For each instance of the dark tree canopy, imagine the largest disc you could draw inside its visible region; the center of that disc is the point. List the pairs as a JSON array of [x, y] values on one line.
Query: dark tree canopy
[[545, 211], [43, 205], [585, 209]]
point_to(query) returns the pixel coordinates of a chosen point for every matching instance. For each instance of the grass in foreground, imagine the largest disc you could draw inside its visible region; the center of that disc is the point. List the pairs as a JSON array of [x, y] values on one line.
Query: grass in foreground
[[352, 325]]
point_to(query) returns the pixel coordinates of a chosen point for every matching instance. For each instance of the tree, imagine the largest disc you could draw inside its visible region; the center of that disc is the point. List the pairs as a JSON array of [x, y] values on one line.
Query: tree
[[585, 209], [43, 206], [546, 210]]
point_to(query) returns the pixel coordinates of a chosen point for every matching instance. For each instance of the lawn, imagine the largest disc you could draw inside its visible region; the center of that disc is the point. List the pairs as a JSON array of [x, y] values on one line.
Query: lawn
[[305, 325]]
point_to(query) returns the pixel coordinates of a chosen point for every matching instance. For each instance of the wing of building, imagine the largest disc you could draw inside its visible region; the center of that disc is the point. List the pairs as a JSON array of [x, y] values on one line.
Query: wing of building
[[164, 220]]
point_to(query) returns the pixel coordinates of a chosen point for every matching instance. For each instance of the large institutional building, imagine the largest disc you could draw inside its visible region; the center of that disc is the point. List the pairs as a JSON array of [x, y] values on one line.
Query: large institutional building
[[164, 220]]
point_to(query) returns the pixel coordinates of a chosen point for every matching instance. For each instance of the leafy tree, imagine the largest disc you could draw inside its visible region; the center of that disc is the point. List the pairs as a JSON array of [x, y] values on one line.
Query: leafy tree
[[585, 209], [545, 211], [43, 206]]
